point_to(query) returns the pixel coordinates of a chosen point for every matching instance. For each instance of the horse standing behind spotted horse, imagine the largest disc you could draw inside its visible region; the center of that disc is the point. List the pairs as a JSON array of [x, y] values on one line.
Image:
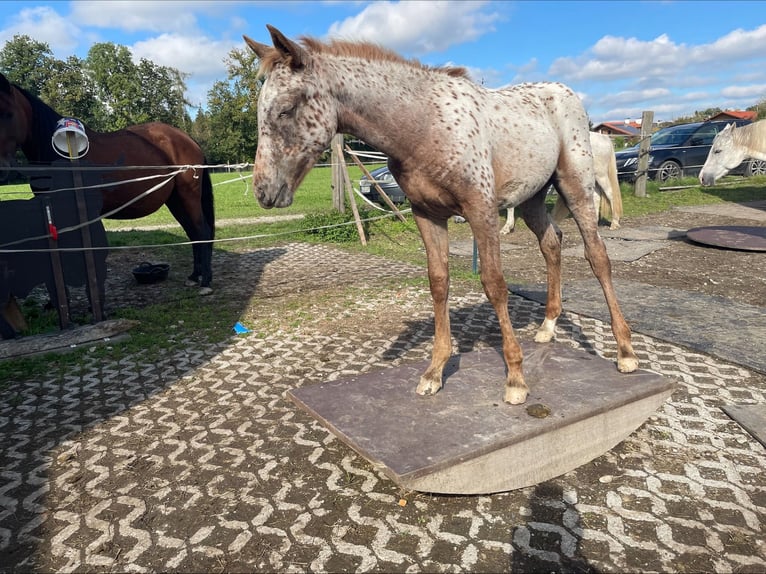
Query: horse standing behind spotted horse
[[455, 148], [26, 122], [607, 187]]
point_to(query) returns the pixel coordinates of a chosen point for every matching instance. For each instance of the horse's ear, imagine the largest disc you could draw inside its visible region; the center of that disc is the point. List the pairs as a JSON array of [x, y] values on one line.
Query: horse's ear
[[289, 50], [261, 50]]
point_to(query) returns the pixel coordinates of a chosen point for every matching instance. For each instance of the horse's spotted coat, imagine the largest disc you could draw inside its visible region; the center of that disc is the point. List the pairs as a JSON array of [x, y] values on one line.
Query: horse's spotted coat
[[455, 148]]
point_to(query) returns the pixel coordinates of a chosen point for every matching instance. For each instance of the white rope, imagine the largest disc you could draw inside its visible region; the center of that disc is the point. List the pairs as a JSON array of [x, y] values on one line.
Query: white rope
[[198, 242]]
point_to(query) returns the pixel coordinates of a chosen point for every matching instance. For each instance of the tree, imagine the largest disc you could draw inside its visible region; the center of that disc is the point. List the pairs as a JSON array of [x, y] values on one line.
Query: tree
[[27, 63], [70, 92], [231, 112], [116, 83]]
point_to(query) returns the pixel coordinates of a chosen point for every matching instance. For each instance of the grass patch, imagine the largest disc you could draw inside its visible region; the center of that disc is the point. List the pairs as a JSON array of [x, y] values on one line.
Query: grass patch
[[169, 326]]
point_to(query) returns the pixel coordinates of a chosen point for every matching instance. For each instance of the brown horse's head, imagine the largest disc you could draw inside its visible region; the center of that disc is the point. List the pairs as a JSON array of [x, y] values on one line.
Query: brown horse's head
[[14, 124], [296, 119]]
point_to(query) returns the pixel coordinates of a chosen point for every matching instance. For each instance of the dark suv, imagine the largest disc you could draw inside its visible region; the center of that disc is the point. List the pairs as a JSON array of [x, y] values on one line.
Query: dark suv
[[681, 151]]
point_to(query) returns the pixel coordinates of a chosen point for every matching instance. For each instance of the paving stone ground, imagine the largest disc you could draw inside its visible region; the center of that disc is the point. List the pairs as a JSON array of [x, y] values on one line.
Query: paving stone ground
[[200, 462]]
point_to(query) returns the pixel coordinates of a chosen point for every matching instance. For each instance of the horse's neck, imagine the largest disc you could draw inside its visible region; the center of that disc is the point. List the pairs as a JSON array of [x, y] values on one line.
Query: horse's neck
[[38, 147], [382, 106], [752, 138]]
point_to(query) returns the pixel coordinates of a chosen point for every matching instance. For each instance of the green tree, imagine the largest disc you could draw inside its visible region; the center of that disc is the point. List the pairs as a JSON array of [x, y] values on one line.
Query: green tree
[[116, 82], [231, 112], [70, 91], [26, 62]]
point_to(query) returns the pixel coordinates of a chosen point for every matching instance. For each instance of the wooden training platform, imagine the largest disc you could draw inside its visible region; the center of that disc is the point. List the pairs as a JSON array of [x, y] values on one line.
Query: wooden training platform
[[465, 439], [736, 237]]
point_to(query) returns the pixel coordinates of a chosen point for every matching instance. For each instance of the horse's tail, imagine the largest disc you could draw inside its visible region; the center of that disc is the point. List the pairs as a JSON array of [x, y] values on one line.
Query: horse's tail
[[208, 209], [616, 200]]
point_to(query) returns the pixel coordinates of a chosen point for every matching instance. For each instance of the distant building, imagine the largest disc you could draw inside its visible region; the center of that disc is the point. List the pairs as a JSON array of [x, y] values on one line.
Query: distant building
[[625, 128], [734, 115]]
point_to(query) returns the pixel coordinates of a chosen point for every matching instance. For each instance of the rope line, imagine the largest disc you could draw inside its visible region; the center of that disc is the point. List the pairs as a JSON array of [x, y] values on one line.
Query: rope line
[[198, 242]]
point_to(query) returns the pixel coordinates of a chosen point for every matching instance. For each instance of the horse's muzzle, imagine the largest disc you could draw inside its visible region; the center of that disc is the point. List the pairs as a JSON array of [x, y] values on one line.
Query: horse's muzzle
[[267, 198]]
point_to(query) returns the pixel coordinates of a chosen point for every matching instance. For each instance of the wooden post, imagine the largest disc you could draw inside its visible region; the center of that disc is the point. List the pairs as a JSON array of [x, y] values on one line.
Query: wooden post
[[347, 182], [642, 168], [338, 168], [97, 306], [375, 183], [58, 272]]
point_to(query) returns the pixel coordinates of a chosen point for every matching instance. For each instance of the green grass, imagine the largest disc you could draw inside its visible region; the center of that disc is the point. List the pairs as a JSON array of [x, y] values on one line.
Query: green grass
[[168, 326]]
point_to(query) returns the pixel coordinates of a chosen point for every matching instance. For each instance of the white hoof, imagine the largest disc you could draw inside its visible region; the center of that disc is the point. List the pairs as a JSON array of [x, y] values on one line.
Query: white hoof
[[627, 365], [515, 395], [546, 332]]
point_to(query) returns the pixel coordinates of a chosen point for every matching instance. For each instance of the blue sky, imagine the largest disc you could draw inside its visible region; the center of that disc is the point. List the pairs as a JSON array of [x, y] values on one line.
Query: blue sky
[[622, 57]]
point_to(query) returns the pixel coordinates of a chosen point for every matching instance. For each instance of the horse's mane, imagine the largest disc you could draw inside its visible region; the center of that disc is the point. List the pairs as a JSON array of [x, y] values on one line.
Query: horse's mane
[[44, 119], [361, 50], [752, 136]]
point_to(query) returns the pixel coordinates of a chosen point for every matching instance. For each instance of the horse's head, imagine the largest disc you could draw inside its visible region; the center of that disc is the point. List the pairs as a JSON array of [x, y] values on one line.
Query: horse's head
[[13, 122], [724, 155], [296, 119]]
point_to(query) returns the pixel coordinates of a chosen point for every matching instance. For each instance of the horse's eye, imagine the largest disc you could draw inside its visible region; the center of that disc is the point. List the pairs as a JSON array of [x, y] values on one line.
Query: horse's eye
[[289, 112]]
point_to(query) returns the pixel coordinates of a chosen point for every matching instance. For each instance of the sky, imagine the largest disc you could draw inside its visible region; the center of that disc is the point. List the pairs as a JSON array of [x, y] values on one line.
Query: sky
[[672, 57]]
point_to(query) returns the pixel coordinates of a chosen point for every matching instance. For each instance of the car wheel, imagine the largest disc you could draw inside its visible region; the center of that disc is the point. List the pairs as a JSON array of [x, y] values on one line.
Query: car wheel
[[755, 167], [668, 170]]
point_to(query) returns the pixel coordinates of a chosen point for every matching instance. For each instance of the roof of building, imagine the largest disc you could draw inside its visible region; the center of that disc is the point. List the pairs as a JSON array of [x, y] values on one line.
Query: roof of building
[[619, 128]]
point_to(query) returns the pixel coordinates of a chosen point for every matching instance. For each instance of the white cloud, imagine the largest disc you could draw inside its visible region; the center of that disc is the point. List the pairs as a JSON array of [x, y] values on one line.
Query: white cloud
[[134, 16], [191, 54], [418, 27], [43, 24], [745, 92]]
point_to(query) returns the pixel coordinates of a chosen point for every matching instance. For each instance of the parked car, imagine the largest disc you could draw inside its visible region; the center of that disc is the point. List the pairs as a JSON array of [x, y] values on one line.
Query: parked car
[[681, 151], [387, 183]]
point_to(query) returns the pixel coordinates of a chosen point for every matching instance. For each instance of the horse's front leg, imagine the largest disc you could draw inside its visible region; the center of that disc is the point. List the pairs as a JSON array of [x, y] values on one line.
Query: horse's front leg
[[436, 241], [484, 227], [549, 238]]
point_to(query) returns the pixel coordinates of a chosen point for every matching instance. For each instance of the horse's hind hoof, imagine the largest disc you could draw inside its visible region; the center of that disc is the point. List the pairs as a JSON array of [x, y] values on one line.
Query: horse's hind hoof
[[205, 290]]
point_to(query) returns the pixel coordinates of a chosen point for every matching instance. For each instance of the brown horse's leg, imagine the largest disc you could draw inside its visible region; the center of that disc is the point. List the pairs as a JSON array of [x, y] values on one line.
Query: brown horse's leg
[[595, 252], [484, 225], [549, 238], [185, 203], [436, 241]]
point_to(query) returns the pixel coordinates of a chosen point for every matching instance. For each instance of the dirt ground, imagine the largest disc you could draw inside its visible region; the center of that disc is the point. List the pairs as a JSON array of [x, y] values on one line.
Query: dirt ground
[[200, 462]]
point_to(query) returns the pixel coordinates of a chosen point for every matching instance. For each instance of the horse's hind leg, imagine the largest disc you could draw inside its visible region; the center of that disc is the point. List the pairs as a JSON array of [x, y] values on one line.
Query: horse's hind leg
[[596, 255], [549, 237], [198, 231]]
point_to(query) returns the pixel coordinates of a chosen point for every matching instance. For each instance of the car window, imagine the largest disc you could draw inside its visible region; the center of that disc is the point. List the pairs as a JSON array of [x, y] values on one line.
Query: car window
[[673, 136], [704, 136]]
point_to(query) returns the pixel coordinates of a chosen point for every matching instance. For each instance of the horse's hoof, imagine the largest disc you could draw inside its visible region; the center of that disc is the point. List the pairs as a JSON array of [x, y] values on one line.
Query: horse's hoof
[[205, 290], [614, 226], [546, 332], [627, 365], [516, 395], [428, 387]]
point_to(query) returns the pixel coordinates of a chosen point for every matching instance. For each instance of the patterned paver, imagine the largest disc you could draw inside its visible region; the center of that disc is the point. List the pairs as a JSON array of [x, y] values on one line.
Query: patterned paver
[[201, 463]]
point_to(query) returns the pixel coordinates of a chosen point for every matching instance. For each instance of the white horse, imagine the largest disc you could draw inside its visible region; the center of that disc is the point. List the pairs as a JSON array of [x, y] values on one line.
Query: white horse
[[731, 147], [607, 185]]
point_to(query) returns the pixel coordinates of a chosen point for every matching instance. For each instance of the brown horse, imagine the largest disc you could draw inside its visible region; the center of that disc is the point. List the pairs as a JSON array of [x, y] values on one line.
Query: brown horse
[[26, 122], [455, 148]]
